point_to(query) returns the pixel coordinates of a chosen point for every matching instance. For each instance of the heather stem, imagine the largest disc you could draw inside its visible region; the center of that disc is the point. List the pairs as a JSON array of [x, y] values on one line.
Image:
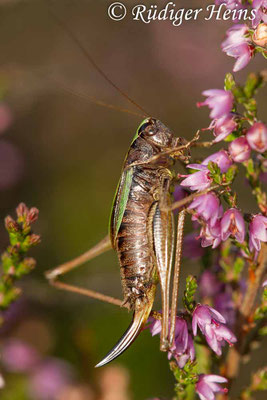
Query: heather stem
[[246, 309]]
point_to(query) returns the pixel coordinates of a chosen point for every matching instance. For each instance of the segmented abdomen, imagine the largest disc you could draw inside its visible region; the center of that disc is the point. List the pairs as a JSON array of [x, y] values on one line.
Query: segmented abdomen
[[133, 247]]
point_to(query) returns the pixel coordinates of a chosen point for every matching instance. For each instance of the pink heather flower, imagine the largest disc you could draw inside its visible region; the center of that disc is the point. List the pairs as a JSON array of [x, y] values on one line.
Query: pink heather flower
[[178, 194], [223, 127], [209, 285], [18, 356], [211, 324], [2, 382], [207, 207], [207, 385], [191, 247], [261, 15], [5, 117], [11, 165], [264, 283], [233, 224], [257, 137], [219, 101], [49, 379], [239, 149], [155, 326], [181, 335], [221, 158], [225, 305], [257, 232], [183, 347], [211, 235], [189, 353], [199, 180], [237, 45]]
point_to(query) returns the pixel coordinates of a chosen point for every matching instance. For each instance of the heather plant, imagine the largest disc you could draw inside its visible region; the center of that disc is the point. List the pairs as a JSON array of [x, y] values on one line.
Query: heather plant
[[15, 262], [223, 313], [225, 307]]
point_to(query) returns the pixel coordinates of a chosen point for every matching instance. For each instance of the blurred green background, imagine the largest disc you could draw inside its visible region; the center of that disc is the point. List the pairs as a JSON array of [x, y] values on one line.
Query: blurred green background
[[64, 156]]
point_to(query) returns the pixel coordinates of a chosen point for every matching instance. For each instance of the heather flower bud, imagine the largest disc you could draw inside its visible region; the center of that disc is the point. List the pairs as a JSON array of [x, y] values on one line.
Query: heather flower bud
[[257, 137], [34, 239], [260, 35], [22, 210], [32, 215], [29, 262], [11, 225], [239, 149]]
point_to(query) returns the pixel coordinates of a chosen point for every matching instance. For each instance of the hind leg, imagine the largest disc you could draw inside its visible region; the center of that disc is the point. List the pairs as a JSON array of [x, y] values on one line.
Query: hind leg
[[53, 275]]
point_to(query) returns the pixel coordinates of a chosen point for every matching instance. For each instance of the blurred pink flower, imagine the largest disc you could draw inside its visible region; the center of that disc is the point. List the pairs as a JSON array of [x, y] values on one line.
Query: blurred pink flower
[[231, 4], [191, 247], [11, 165], [237, 45], [5, 117], [257, 137], [49, 379], [233, 224], [207, 385], [239, 149], [261, 14], [178, 194], [224, 303], [18, 356], [257, 232], [208, 285], [219, 101], [2, 381]]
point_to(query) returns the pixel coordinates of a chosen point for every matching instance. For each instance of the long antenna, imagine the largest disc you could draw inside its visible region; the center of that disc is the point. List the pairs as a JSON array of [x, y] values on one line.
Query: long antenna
[[89, 58], [96, 101]]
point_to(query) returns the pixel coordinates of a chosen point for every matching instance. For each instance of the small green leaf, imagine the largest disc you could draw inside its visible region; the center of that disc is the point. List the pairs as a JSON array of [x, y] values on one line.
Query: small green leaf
[[230, 174], [232, 136], [252, 84], [238, 267], [229, 82], [189, 293]]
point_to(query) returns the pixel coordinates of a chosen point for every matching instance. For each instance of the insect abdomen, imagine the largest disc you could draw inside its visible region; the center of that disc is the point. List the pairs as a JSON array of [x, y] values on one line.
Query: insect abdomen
[[133, 248]]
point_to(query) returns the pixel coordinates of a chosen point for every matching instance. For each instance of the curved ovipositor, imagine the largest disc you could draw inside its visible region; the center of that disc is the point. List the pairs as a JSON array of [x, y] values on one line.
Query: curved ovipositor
[[140, 317]]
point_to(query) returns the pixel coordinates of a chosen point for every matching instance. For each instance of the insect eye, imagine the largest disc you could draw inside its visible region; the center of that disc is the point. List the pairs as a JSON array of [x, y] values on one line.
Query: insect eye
[[144, 127], [151, 131]]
